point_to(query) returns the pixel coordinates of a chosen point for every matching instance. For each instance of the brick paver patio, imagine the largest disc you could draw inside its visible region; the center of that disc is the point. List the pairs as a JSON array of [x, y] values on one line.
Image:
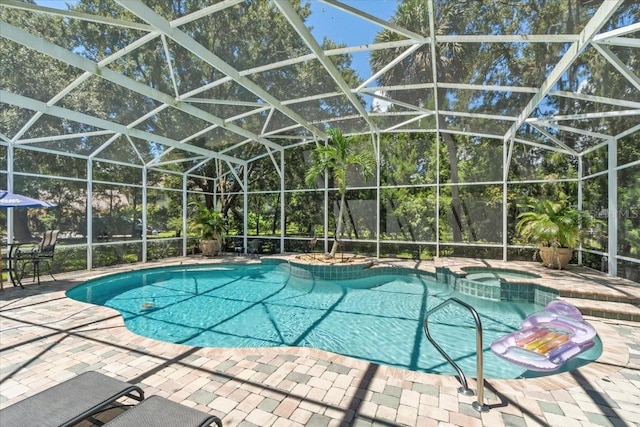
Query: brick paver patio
[[46, 338]]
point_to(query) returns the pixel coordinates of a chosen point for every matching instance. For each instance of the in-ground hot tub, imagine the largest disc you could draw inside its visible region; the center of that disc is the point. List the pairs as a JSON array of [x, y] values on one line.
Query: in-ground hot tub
[[496, 275]]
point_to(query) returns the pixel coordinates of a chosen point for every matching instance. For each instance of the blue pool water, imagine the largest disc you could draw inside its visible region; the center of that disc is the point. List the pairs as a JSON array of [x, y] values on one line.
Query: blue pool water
[[379, 319]]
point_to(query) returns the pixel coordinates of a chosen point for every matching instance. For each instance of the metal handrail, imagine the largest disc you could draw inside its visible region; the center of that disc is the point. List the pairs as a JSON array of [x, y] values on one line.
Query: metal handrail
[[479, 405]]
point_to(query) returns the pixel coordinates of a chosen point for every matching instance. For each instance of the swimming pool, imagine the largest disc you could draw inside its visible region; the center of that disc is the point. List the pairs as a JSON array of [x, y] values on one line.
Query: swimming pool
[[377, 318]]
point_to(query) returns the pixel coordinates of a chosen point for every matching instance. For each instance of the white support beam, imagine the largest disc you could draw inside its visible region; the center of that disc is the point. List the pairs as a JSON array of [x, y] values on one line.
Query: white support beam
[[63, 137], [596, 99], [32, 104], [554, 139], [618, 32], [621, 41], [14, 4], [367, 17], [298, 25], [159, 23], [586, 116], [205, 11], [406, 122], [387, 67], [27, 39], [628, 132], [618, 65], [436, 103], [599, 19], [612, 208], [581, 131]]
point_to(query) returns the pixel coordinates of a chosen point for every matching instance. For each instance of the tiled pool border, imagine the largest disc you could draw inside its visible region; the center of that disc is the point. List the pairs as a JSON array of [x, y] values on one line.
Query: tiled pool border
[[521, 291]]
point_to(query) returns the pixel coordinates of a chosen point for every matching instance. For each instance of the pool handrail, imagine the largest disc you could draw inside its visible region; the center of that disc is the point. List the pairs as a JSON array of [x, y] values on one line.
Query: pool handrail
[[465, 390]]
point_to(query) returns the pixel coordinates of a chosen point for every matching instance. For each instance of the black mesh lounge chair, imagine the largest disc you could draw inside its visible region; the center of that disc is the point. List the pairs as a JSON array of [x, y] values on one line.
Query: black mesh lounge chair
[[69, 402], [160, 412]]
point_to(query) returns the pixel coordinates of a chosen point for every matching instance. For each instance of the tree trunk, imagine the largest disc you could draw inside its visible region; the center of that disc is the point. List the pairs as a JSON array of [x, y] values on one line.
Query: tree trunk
[[21, 231], [334, 248], [456, 210]]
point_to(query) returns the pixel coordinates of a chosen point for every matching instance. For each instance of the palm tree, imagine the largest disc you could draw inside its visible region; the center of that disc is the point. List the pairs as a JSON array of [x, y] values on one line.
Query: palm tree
[[336, 158]]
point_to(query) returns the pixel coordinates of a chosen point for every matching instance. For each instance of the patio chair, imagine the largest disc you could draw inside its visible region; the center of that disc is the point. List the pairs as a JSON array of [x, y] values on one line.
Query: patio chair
[[42, 253], [159, 411], [69, 402], [238, 245]]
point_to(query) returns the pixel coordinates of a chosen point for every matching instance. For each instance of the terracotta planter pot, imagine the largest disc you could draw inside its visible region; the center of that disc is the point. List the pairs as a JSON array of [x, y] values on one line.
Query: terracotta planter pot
[[553, 257], [210, 247]]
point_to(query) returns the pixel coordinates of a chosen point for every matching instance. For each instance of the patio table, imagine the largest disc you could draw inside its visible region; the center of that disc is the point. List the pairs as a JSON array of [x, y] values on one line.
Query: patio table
[[12, 257]]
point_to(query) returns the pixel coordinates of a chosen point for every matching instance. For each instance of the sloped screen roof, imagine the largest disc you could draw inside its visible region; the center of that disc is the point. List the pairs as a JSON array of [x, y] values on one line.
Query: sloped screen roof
[[202, 79]]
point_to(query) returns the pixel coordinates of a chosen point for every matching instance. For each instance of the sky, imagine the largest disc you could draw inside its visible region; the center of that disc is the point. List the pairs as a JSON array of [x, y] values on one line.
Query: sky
[[345, 28]]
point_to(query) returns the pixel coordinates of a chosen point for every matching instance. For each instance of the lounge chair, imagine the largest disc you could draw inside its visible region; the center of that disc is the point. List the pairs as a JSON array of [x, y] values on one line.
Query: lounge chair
[[69, 402], [158, 411]]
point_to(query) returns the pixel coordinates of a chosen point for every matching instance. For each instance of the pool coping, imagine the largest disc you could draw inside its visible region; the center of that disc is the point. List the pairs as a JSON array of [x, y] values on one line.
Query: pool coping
[[614, 355], [244, 391]]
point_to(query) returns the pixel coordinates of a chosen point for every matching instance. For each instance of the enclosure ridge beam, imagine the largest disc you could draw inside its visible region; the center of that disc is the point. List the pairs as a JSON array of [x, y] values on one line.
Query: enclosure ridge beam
[[173, 162], [509, 38], [599, 19], [477, 115], [490, 88], [411, 86]]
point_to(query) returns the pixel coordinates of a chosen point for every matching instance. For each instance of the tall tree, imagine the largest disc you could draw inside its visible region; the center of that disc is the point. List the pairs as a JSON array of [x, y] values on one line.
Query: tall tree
[[418, 67]]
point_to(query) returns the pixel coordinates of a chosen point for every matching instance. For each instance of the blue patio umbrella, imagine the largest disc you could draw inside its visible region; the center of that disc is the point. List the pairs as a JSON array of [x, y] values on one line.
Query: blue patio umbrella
[[11, 200]]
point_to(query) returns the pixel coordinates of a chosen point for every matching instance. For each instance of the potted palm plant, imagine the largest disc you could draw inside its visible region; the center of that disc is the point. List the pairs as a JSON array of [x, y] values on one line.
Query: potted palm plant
[[209, 224], [555, 228]]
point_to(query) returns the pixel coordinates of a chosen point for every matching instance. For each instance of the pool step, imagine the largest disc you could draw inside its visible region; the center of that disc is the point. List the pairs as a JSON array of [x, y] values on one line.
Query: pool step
[[606, 309]]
